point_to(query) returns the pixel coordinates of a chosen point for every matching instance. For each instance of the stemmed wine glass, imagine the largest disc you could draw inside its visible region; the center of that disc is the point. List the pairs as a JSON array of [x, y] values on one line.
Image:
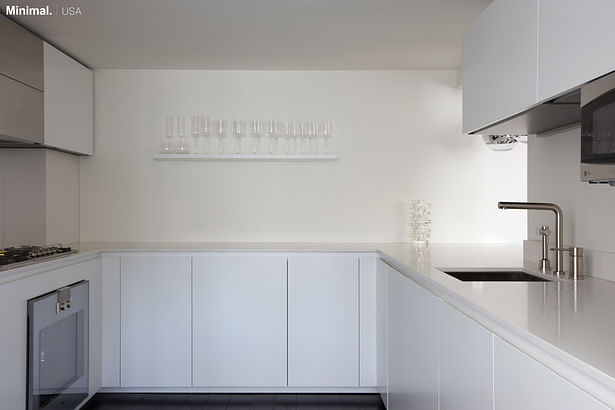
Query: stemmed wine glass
[[195, 124], [181, 133], [238, 133], [299, 137], [167, 145], [289, 132], [325, 131], [220, 133], [257, 134], [312, 136], [204, 130], [274, 135]]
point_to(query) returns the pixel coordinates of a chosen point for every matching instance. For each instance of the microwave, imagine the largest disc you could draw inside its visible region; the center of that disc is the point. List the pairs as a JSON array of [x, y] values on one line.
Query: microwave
[[598, 130]]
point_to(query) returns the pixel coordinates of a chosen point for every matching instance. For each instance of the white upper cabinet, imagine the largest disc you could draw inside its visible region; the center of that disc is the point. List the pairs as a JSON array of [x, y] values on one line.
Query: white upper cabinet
[[239, 320], [575, 43], [69, 104], [499, 63], [323, 320], [519, 53]]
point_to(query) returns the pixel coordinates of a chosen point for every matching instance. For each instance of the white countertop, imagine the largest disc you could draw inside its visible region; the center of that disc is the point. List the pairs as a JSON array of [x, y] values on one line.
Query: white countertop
[[566, 327]]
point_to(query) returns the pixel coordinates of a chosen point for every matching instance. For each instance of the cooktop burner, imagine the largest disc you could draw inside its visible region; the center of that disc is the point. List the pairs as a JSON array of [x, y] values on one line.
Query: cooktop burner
[[25, 253]]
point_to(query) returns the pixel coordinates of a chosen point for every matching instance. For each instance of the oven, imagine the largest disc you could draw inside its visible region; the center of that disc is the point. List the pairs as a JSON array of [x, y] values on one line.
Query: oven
[[598, 130], [57, 358]]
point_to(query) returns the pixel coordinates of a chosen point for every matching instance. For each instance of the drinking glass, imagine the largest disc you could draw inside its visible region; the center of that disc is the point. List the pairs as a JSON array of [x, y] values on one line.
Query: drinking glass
[[257, 134], [237, 133], [220, 133], [204, 128], [325, 131], [195, 124], [288, 134], [298, 131], [274, 133], [181, 133], [167, 145], [312, 136]]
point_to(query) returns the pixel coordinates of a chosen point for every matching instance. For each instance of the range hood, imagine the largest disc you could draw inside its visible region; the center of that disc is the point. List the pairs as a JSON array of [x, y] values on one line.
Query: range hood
[[558, 113]]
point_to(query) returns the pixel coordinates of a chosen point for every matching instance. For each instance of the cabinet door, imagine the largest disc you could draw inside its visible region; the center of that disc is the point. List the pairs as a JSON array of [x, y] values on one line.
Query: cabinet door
[[22, 54], [368, 319], [412, 341], [323, 320], [382, 331], [523, 383], [575, 43], [239, 324], [69, 104], [155, 321], [499, 63], [465, 362]]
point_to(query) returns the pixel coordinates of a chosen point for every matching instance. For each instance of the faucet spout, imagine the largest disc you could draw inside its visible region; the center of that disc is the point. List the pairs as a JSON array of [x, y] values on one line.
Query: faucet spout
[[559, 227]]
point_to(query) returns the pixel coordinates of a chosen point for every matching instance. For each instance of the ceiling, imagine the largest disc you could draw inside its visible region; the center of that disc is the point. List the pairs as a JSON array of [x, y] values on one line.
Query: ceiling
[[258, 34]]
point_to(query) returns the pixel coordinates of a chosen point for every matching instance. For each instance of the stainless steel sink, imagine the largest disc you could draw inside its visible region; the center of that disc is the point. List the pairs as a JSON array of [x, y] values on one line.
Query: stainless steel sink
[[494, 276]]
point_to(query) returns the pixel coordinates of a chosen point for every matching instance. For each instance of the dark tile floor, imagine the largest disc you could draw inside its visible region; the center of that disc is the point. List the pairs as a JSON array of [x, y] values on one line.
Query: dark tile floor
[[173, 401]]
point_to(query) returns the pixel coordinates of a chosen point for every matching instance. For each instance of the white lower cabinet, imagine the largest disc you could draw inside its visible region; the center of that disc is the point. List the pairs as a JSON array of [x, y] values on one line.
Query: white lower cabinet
[[465, 362], [382, 330], [323, 320], [523, 383], [412, 345], [239, 322], [155, 321]]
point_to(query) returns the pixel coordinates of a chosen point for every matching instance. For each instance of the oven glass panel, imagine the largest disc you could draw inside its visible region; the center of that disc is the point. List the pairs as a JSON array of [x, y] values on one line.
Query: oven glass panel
[[59, 357], [598, 130]]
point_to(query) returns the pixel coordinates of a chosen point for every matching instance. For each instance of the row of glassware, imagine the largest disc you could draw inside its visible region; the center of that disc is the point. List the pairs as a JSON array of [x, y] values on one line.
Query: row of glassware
[[279, 137]]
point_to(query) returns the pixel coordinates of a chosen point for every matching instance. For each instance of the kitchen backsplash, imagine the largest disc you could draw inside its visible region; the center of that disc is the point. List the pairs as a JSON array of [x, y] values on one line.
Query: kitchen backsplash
[[39, 197], [553, 176]]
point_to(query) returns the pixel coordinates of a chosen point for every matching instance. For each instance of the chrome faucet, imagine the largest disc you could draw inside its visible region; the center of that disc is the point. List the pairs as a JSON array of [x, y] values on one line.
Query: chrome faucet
[[559, 229]]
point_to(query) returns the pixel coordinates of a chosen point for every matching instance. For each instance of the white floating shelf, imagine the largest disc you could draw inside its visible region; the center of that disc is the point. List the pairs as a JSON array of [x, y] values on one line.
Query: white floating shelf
[[245, 157]]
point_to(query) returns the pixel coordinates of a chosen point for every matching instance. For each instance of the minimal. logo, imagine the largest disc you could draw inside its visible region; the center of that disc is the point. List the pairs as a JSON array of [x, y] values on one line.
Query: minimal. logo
[[28, 11]]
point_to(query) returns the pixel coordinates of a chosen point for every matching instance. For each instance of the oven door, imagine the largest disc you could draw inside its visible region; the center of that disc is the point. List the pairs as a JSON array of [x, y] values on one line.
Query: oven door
[[598, 130], [58, 348]]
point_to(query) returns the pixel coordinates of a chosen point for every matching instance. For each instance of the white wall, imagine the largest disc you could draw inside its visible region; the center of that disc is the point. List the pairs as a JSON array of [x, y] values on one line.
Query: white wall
[[398, 134], [553, 176]]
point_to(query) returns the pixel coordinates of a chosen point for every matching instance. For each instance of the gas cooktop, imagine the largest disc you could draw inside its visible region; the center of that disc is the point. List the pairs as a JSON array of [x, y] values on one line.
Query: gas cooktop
[[14, 257]]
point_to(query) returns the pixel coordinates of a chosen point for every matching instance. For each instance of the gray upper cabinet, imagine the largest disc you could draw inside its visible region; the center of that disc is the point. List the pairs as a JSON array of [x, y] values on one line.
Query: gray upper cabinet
[[499, 63], [575, 44], [59, 115], [22, 54]]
